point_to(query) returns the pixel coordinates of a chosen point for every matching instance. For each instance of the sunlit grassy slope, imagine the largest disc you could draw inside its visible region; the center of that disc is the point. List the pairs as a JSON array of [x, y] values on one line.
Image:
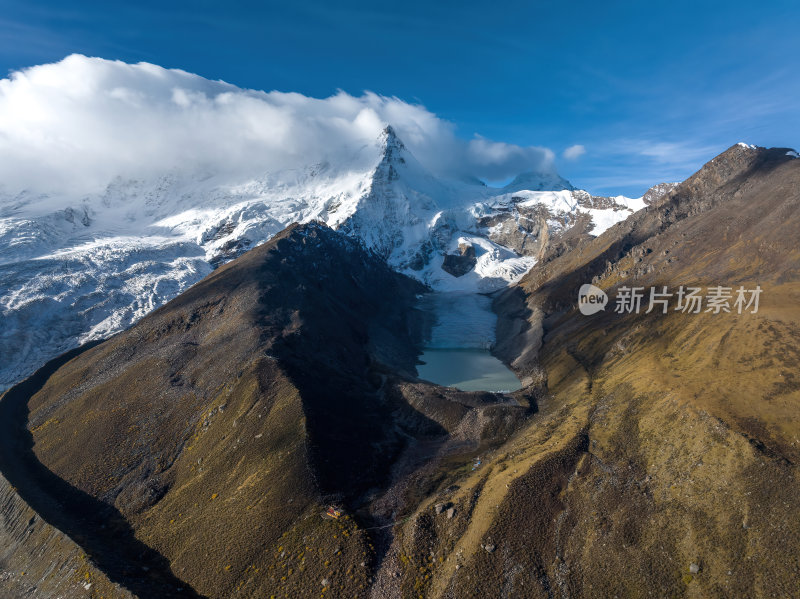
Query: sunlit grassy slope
[[663, 461]]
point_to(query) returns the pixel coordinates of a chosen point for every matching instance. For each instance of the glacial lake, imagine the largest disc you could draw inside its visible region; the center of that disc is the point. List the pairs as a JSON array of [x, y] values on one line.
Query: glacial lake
[[467, 369], [456, 353]]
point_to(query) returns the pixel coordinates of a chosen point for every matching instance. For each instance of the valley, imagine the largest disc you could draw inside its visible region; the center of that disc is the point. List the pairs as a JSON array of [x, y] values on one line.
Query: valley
[[200, 449]]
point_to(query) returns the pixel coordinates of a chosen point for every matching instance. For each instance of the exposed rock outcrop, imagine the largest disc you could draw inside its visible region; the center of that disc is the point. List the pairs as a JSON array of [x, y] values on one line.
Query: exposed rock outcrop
[[460, 264]]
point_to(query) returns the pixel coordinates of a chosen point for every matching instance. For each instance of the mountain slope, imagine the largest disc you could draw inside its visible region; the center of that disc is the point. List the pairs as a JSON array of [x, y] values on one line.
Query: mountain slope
[[664, 459], [220, 426], [649, 454]]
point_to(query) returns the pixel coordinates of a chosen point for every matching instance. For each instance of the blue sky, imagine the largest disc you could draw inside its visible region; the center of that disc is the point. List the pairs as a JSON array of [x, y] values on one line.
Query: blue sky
[[651, 90]]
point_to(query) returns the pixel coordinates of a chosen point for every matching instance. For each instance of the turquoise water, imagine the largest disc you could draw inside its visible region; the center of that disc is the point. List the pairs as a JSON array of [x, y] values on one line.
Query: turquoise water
[[457, 353], [468, 369]]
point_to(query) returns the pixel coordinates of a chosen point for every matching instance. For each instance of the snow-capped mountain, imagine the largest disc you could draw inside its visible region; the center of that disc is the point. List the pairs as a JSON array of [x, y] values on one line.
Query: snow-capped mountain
[[74, 269], [123, 184]]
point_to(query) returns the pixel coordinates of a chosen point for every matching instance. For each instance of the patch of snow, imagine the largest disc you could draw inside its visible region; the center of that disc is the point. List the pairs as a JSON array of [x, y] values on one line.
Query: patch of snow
[[604, 219], [632, 204], [496, 267], [554, 201], [793, 154]]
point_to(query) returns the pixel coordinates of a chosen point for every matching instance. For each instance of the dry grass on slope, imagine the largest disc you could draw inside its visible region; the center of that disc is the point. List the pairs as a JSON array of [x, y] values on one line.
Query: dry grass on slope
[[663, 462]]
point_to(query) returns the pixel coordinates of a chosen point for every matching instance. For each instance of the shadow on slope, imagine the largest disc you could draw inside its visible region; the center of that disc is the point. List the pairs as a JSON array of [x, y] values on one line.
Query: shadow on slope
[[97, 527]]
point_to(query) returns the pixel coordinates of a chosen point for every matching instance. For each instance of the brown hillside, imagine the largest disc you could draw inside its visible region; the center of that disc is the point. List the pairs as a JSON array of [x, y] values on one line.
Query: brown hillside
[[664, 461], [213, 434], [650, 455]]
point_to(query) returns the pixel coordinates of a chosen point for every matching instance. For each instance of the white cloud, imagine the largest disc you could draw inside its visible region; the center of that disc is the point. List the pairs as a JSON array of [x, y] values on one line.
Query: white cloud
[[574, 152], [76, 124], [496, 160], [672, 152]]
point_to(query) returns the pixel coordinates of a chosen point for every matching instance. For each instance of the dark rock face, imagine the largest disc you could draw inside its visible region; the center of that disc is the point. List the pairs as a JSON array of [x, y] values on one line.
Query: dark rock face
[[587, 200], [523, 229], [230, 250], [460, 264], [421, 258], [466, 249]]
